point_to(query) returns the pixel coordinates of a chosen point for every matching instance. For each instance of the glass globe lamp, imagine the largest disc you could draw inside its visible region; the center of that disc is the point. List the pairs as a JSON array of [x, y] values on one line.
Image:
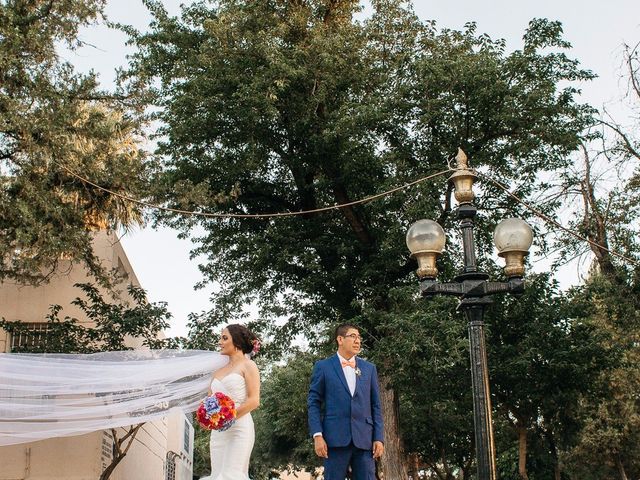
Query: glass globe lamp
[[426, 240], [513, 237]]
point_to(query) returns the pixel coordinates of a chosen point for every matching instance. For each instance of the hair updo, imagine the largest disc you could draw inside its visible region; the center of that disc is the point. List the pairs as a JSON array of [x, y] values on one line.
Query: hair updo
[[242, 338]]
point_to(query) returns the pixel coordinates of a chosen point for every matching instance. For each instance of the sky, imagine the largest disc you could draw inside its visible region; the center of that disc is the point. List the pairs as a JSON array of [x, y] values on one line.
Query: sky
[[597, 31]]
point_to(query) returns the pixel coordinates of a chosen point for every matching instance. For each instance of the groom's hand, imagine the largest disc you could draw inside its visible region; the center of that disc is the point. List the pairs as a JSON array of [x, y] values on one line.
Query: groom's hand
[[320, 446], [378, 449]]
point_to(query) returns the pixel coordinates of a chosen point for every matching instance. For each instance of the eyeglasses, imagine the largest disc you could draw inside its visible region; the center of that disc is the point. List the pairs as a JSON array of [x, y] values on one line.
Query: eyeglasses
[[353, 336]]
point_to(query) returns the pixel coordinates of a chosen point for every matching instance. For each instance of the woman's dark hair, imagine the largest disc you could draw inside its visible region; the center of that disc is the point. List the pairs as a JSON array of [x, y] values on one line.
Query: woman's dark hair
[[242, 337]]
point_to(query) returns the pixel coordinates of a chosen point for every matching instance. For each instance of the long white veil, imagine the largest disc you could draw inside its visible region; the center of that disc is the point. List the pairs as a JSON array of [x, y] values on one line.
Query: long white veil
[[55, 395]]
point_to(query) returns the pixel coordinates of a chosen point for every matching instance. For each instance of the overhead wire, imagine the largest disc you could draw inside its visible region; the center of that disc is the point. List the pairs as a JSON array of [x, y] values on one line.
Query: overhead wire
[[554, 222], [367, 199], [249, 215]]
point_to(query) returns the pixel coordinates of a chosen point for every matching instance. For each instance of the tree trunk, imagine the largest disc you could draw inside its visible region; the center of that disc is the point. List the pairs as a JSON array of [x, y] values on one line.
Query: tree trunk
[[620, 467], [595, 223], [522, 451], [119, 449], [466, 468], [445, 465], [434, 468], [393, 461], [111, 467], [554, 453], [414, 466]]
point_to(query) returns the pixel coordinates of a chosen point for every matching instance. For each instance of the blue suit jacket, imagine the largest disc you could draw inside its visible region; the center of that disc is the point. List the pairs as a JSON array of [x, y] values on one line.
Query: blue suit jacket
[[341, 418]]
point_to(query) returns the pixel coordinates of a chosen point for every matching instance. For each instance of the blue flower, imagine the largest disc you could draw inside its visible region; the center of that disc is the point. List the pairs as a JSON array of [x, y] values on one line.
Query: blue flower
[[211, 405]]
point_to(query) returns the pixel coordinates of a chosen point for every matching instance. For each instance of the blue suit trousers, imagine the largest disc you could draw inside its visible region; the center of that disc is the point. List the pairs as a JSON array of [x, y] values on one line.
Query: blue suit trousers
[[361, 461]]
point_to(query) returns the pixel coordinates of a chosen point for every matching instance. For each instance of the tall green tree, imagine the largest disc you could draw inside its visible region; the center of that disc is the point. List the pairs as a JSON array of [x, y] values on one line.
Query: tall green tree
[[282, 441], [608, 445], [546, 358], [54, 121], [427, 348], [608, 217], [291, 105]]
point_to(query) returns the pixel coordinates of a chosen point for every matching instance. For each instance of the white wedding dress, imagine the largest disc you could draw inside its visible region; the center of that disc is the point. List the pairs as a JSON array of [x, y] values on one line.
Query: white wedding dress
[[231, 449]]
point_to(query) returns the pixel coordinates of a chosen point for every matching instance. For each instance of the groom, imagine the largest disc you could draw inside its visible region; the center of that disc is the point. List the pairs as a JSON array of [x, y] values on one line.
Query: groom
[[350, 431]]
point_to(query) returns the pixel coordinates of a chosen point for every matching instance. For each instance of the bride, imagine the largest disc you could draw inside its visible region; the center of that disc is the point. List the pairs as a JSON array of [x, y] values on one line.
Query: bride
[[240, 379]]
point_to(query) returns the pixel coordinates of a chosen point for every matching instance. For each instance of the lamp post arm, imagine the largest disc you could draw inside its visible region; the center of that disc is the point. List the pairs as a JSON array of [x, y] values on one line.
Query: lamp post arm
[[432, 287], [514, 285], [471, 288]]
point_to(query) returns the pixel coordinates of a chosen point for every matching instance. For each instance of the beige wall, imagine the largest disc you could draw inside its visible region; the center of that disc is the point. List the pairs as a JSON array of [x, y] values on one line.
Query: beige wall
[[85, 457], [31, 304], [49, 459], [147, 455]]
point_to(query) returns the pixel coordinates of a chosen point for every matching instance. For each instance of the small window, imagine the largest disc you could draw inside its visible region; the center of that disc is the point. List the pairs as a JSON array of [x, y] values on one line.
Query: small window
[[106, 449], [187, 431], [31, 336]]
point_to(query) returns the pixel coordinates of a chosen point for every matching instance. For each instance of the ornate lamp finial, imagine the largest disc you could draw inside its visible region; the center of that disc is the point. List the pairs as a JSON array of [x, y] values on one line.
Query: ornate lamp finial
[[461, 159], [463, 179]]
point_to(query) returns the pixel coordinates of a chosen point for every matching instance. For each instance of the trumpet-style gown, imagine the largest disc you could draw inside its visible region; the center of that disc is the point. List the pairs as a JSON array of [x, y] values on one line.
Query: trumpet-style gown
[[231, 449]]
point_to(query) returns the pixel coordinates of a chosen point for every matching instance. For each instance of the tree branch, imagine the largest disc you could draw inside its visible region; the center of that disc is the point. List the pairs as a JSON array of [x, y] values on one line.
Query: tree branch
[[633, 72], [594, 218], [631, 149]]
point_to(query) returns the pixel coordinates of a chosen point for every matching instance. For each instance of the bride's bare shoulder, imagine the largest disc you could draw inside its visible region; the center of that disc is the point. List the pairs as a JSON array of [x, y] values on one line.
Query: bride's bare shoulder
[[250, 366]]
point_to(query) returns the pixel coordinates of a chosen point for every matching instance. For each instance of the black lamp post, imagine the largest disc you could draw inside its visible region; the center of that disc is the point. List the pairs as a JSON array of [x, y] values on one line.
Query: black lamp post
[[512, 237]]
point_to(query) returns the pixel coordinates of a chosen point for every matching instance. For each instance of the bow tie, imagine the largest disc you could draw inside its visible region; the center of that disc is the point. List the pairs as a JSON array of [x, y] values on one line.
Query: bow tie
[[348, 363]]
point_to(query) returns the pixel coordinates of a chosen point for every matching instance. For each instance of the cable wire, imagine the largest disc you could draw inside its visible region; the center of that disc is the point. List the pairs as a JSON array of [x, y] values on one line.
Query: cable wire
[[550, 220], [248, 215], [370, 198]]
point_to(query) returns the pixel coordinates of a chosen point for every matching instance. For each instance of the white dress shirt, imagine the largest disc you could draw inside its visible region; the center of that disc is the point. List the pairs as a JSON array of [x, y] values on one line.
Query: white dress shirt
[[349, 374]]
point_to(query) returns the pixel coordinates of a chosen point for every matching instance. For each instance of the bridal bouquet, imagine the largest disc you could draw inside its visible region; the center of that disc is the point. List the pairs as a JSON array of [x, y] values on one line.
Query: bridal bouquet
[[216, 412]]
